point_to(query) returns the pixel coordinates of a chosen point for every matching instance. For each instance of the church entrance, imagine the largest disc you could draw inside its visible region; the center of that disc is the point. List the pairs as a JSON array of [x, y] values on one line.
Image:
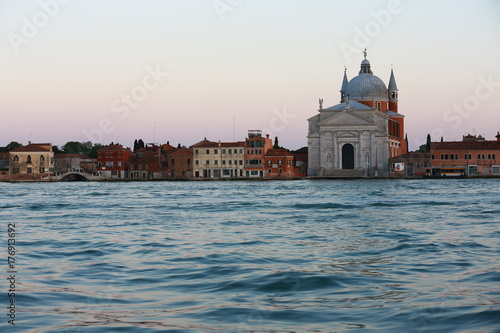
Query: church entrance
[[348, 156]]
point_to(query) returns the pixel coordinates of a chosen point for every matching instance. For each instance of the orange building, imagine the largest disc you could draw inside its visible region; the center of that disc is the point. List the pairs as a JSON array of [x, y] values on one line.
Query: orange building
[[255, 152], [280, 163], [112, 161], [474, 154]]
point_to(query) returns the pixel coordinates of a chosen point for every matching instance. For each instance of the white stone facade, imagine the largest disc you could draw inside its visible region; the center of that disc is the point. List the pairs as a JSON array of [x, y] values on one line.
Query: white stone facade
[[349, 139]]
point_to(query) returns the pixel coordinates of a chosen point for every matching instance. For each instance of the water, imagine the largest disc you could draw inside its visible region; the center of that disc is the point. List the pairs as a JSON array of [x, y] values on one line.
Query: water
[[276, 256]]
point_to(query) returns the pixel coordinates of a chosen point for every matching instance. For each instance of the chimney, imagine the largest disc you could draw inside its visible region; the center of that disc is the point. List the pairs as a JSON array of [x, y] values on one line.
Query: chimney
[[498, 137]]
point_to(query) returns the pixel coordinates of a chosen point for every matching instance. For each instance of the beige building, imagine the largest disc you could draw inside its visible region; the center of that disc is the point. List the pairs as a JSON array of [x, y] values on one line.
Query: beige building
[[33, 161], [218, 159]]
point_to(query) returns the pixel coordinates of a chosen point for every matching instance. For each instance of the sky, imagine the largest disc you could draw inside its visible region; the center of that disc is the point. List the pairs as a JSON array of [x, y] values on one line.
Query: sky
[[182, 70]]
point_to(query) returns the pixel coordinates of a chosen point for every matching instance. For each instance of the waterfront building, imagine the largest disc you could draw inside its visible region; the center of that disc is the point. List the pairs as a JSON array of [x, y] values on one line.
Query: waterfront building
[[255, 152], [73, 163], [180, 163], [410, 164], [301, 160], [33, 161], [147, 163], [358, 136], [280, 163], [4, 166], [218, 159], [474, 154], [112, 161]]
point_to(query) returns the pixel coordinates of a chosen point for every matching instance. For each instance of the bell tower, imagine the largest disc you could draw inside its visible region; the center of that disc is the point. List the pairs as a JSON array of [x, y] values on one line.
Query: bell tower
[[392, 89]]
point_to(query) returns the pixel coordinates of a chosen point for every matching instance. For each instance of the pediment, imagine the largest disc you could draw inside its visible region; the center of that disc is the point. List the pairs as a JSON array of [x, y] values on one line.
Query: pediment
[[347, 118], [347, 134]]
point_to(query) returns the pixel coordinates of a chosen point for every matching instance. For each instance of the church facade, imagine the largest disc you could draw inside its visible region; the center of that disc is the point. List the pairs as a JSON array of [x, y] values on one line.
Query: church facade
[[357, 137]]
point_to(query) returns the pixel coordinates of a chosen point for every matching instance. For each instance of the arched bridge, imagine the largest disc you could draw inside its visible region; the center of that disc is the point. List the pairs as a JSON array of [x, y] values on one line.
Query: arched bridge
[[76, 176]]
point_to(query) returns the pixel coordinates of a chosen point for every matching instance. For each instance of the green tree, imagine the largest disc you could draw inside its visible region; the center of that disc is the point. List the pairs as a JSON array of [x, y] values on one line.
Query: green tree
[[276, 144], [12, 145], [428, 144]]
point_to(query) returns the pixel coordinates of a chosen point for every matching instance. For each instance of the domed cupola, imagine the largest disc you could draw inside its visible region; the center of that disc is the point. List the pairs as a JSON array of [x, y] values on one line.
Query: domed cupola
[[366, 86]]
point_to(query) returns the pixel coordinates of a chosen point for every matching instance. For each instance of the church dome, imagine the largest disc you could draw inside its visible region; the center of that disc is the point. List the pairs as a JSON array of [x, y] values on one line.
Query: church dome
[[366, 87]]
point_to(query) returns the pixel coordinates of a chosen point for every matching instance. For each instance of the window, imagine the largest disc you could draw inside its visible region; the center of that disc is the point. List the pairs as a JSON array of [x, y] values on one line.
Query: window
[[173, 161], [491, 156], [29, 170], [241, 151], [196, 151], [235, 162], [147, 167], [197, 162], [280, 170], [223, 151], [207, 162], [473, 170], [269, 171], [495, 170], [230, 162], [216, 162], [223, 162], [480, 156], [110, 164], [29, 158], [269, 162], [119, 154], [208, 151], [188, 161], [280, 162], [119, 164], [16, 158], [42, 170], [432, 157], [444, 156], [467, 156], [379, 106], [215, 151], [42, 158], [241, 162]]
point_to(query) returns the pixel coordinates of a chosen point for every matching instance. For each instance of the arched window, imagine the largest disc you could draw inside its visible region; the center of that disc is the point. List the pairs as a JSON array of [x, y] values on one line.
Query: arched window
[[189, 161], [29, 158], [16, 158], [42, 158]]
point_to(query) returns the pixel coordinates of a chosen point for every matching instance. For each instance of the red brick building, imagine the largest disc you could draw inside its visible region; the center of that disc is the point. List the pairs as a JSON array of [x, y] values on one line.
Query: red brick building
[[112, 161], [147, 163], [410, 164], [280, 163], [476, 155], [180, 163]]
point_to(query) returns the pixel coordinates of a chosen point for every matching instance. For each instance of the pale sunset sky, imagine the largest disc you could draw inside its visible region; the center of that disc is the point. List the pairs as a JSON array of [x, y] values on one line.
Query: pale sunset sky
[[182, 70]]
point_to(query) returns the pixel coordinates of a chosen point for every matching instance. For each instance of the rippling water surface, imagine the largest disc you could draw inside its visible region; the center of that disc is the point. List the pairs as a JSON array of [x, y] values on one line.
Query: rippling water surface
[[274, 256]]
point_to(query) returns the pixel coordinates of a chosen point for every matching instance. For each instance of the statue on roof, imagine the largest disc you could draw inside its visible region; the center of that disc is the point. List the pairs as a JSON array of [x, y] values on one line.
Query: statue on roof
[[321, 103], [364, 52]]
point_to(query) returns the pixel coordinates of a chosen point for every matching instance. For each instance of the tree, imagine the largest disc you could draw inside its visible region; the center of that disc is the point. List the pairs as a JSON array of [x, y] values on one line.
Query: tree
[[11, 146], [276, 144]]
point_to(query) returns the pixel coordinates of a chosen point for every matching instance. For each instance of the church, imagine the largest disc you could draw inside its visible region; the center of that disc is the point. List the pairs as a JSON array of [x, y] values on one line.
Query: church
[[357, 137]]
